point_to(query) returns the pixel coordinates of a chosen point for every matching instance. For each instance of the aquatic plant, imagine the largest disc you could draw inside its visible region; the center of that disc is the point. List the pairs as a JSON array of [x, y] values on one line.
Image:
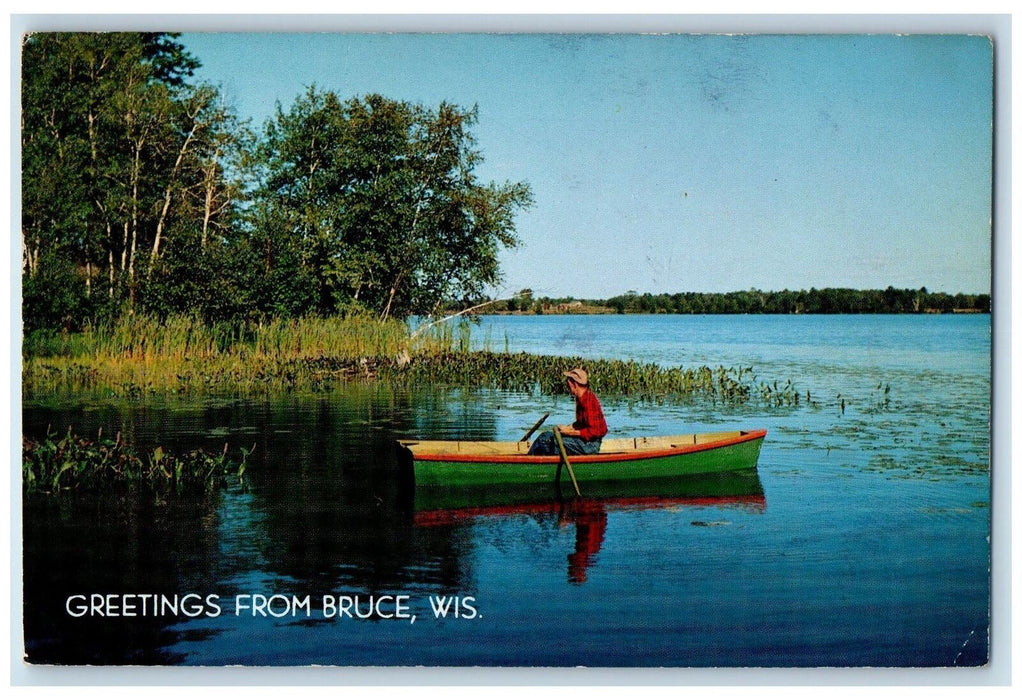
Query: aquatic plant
[[141, 356], [880, 400], [523, 372], [74, 463]]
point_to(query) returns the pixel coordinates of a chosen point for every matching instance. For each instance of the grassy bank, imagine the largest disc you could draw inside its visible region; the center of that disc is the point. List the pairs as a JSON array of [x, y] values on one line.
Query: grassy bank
[[144, 339], [143, 356]]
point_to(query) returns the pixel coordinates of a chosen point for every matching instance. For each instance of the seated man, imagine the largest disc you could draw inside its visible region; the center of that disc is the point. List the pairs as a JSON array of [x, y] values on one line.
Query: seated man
[[583, 437]]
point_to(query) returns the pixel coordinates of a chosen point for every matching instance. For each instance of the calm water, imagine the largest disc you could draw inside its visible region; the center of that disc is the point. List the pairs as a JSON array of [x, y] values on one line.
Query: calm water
[[861, 540]]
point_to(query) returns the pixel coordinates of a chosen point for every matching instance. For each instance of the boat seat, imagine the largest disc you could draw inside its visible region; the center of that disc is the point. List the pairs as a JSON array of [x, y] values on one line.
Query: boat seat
[[615, 445]]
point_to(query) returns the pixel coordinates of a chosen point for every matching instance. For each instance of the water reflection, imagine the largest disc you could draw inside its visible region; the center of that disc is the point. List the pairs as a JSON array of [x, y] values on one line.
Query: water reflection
[[321, 509], [455, 508], [853, 566], [87, 545]]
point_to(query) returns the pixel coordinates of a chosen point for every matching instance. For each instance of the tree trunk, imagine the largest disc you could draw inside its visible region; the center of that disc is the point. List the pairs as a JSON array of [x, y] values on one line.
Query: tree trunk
[[111, 271], [124, 249], [209, 206], [207, 214], [161, 223], [390, 299], [31, 265], [159, 230], [420, 199], [131, 255], [135, 176]]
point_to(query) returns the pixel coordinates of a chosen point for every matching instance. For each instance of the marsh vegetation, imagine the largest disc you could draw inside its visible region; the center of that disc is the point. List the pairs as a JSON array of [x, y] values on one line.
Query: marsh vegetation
[[71, 462], [142, 355]]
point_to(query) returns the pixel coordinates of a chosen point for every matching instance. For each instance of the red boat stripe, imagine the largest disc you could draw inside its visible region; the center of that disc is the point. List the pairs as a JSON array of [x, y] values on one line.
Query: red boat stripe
[[597, 458]]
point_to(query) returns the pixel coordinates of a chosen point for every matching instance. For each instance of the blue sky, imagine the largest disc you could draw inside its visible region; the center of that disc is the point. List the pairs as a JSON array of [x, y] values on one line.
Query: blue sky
[[672, 163]]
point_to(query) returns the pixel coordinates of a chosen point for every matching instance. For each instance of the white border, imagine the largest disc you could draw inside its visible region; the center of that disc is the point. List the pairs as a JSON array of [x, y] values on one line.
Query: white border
[[997, 673]]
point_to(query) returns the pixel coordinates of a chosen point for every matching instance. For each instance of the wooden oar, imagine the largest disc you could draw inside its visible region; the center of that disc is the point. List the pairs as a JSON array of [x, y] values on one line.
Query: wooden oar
[[535, 427], [564, 456]]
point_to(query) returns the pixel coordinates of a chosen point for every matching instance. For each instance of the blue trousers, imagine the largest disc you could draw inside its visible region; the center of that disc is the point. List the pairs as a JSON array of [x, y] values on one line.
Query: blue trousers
[[546, 444]]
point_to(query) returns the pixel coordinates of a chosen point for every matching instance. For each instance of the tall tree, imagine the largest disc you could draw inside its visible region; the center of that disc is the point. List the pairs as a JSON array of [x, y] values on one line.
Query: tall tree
[[381, 202], [112, 144]]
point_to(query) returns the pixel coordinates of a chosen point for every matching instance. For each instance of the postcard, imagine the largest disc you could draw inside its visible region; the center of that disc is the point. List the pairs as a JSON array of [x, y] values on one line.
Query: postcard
[[533, 350]]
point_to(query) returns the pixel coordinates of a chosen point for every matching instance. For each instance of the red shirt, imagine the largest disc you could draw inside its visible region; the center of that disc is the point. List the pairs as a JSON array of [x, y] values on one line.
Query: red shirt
[[589, 419]]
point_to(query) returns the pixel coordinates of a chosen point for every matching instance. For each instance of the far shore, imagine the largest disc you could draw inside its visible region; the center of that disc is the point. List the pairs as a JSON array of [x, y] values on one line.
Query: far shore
[[604, 311], [828, 300]]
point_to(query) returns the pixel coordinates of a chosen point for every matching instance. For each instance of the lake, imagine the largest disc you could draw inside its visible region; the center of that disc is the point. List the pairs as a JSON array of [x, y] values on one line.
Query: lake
[[862, 539]]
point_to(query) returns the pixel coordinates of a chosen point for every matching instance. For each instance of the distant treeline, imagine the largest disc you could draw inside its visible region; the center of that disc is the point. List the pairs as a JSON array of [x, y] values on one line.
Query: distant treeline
[[754, 301]]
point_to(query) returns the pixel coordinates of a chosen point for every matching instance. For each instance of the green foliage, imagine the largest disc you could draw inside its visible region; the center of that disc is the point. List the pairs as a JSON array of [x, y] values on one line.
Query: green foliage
[[813, 301], [119, 156], [523, 372], [217, 283], [144, 193], [373, 202], [284, 286], [136, 355], [73, 463], [53, 298]]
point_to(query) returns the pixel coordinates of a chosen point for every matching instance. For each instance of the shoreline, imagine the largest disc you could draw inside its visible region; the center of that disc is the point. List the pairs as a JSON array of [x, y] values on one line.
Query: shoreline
[[607, 311]]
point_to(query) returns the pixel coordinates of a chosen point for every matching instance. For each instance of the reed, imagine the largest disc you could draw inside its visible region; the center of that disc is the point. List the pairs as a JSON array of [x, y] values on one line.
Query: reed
[[178, 337], [139, 356], [74, 463]]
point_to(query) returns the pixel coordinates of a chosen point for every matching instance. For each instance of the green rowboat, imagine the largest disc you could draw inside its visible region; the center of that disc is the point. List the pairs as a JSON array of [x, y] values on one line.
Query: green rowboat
[[438, 505], [464, 463]]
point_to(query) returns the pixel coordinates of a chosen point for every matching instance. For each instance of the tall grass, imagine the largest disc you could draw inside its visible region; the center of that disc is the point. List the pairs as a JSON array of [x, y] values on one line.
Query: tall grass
[[180, 337], [144, 353], [140, 355]]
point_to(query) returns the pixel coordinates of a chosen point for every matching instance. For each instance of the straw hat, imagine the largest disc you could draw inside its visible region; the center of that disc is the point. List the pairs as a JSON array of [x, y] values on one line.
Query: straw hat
[[579, 375]]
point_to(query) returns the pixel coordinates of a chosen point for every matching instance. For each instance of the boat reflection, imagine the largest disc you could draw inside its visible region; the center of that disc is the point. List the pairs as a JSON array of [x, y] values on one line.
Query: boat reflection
[[439, 507]]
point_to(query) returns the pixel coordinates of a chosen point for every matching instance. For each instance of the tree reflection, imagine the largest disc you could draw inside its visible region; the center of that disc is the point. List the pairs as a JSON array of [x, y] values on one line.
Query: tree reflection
[[321, 510]]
